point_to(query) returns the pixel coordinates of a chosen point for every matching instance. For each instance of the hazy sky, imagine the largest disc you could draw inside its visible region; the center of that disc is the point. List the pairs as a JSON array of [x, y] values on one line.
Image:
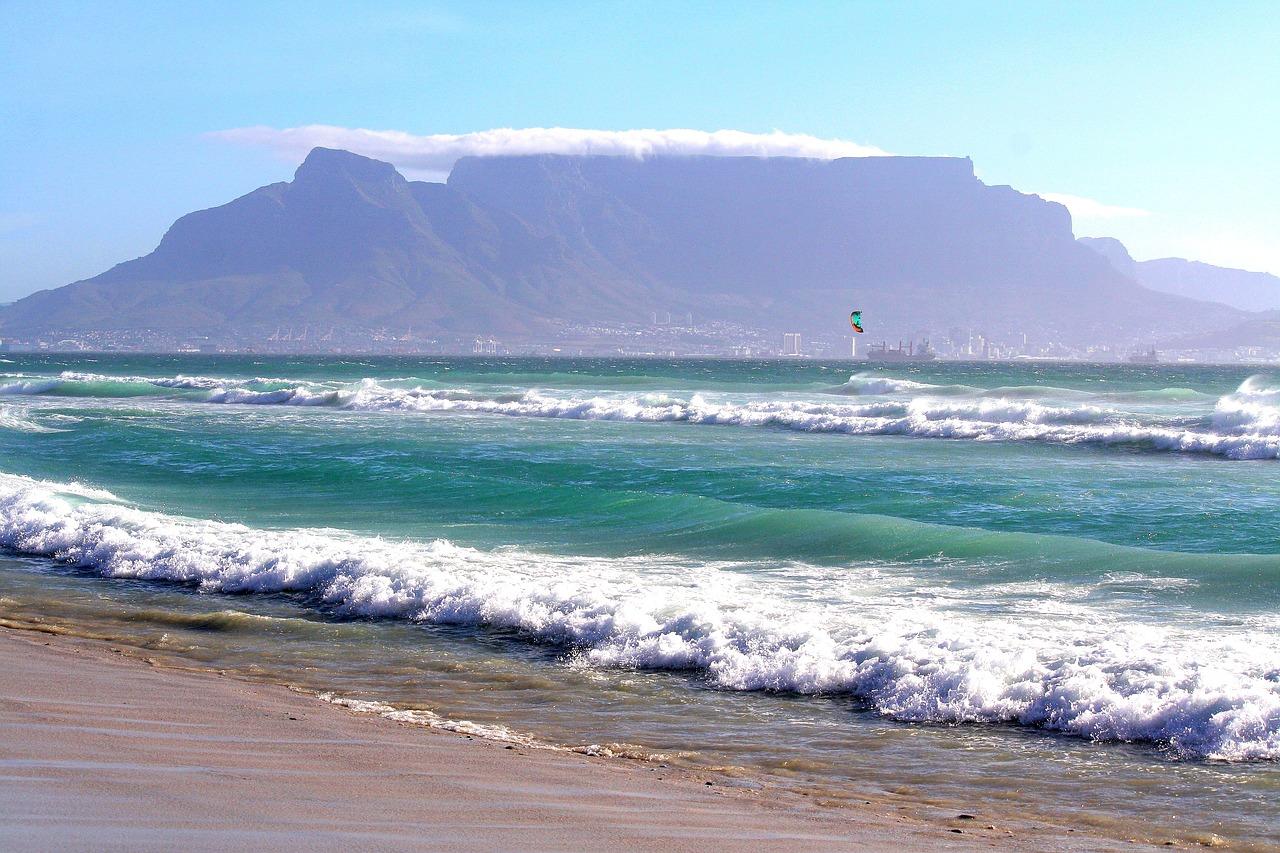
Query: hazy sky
[[1165, 115]]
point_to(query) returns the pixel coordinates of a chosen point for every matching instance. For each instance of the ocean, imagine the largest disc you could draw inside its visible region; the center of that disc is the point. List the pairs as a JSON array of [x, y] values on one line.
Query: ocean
[[1053, 589]]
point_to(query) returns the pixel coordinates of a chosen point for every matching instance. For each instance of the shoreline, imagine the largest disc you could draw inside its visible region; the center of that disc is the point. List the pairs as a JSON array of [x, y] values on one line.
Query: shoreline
[[104, 750]]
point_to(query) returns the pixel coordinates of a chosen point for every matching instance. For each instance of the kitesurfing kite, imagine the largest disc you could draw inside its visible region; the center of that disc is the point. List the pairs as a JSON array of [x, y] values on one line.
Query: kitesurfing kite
[[855, 320]]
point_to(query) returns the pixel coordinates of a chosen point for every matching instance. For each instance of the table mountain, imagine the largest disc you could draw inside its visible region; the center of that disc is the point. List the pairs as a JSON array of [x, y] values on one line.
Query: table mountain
[[515, 245]]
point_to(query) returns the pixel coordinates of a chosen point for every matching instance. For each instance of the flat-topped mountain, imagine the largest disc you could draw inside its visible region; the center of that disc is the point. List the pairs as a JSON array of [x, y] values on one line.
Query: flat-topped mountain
[[514, 245]]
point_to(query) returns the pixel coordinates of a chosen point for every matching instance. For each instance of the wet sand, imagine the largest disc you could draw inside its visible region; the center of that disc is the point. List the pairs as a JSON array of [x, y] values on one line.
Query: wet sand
[[101, 751]]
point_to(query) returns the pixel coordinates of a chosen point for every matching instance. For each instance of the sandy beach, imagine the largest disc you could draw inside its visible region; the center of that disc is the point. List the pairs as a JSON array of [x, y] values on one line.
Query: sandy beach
[[101, 750]]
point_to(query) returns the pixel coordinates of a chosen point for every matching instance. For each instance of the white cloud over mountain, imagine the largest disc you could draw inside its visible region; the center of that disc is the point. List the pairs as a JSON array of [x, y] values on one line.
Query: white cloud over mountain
[[1082, 207], [435, 154]]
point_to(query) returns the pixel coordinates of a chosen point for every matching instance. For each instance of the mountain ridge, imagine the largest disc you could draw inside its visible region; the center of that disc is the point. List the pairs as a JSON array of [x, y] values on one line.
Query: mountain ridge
[[1243, 289]]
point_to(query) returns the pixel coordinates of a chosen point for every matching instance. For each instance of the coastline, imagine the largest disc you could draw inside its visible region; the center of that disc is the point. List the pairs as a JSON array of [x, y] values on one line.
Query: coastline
[[103, 750]]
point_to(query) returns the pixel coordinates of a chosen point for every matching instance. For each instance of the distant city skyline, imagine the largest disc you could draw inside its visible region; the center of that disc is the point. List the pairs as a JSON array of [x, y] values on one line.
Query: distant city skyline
[[1153, 123]]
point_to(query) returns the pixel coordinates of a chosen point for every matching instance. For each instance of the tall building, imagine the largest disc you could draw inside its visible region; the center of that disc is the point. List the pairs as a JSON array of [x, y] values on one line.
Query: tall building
[[791, 343]]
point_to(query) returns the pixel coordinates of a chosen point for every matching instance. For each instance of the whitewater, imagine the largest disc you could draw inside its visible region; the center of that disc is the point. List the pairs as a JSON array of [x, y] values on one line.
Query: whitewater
[[1243, 424]]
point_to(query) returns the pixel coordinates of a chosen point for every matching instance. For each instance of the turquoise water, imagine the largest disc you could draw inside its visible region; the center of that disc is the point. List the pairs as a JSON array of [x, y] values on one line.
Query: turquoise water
[[861, 579]]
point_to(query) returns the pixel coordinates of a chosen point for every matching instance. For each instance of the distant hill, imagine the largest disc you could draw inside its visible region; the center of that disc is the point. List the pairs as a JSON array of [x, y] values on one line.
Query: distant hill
[[1259, 330], [1248, 291], [513, 246]]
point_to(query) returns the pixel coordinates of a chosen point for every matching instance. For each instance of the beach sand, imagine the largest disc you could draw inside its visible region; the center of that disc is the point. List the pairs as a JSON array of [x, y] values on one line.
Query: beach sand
[[100, 750]]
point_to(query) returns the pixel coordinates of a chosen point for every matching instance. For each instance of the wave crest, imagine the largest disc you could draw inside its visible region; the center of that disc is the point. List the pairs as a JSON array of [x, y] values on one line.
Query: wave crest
[[1254, 407], [872, 384]]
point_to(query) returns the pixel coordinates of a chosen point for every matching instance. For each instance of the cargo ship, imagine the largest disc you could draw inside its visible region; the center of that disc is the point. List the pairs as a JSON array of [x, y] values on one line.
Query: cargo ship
[[909, 352]]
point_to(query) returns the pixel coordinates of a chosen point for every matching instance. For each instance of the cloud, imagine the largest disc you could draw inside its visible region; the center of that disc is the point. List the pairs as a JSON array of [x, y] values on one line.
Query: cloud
[[435, 154], [1088, 208]]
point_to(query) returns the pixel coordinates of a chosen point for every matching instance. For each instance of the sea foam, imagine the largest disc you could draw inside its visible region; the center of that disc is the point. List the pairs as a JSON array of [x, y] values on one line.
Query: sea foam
[[1094, 673], [15, 421]]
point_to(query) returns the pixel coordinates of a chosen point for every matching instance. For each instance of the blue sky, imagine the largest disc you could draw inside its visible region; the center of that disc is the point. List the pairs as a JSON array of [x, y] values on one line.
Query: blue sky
[[1167, 111]]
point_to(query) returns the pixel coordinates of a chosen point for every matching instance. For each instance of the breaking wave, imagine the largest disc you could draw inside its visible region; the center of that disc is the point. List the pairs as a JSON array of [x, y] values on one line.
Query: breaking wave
[[1254, 406], [1093, 673], [869, 384], [163, 382], [19, 385], [1239, 430], [1244, 424]]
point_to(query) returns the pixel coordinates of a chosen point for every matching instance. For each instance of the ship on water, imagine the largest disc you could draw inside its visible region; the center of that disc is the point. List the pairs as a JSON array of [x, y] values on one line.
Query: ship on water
[[908, 352]]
